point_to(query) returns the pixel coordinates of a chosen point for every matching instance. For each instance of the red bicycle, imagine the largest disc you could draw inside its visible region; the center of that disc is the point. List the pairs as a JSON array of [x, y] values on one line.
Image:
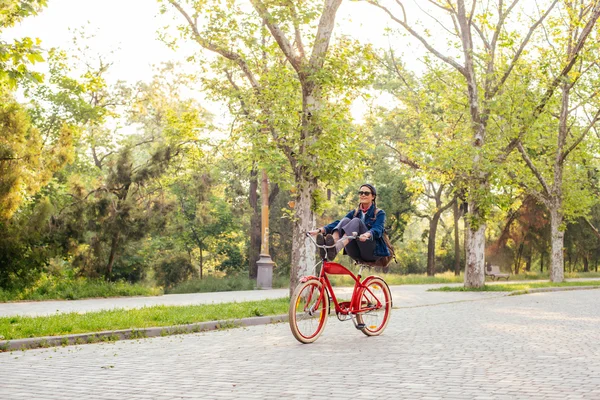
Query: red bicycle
[[369, 307]]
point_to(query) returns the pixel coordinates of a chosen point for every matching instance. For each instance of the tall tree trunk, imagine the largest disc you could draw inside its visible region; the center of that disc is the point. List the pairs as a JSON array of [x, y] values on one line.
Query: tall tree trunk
[[475, 258], [557, 273], [113, 253], [433, 224], [542, 261], [201, 261], [475, 268], [303, 250], [529, 257], [586, 265], [518, 259], [456, 215], [466, 235], [255, 239]]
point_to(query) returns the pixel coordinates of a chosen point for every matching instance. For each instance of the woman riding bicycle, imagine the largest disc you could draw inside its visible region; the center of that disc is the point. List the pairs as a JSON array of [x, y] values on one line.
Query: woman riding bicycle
[[367, 220]]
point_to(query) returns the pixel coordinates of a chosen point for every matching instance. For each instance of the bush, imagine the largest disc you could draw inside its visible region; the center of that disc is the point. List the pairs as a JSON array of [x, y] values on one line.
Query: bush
[[49, 287], [226, 284], [20, 263], [173, 270], [234, 261], [410, 258], [129, 268]]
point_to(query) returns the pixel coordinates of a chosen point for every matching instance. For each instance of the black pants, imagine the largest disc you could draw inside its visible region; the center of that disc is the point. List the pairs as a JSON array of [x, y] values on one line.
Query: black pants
[[356, 249]]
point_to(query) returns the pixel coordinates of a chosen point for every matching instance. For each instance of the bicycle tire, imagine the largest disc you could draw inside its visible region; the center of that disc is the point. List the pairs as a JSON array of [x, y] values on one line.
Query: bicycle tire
[[375, 321], [309, 311]]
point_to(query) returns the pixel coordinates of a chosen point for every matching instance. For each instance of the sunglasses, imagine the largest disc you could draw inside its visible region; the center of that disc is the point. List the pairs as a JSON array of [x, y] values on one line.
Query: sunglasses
[[364, 193]]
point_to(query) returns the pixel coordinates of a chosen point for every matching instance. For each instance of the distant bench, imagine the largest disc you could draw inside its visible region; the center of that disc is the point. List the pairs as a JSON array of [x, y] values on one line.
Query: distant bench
[[493, 271]]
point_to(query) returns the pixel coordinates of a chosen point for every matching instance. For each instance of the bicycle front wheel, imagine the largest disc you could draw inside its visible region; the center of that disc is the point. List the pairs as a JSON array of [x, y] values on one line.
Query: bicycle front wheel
[[309, 309], [375, 295]]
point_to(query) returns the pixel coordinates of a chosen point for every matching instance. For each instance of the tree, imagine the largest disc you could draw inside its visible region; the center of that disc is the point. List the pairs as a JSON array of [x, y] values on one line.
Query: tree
[[205, 217], [490, 54], [300, 98], [421, 133], [525, 230], [558, 185], [28, 155], [434, 193]]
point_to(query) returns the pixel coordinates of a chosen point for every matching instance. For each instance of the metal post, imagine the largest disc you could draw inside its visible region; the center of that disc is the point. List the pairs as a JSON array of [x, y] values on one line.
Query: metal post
[[264, 278]]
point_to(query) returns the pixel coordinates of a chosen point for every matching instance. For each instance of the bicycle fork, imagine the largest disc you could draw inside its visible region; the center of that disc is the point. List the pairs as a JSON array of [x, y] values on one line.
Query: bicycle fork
[[358, 326]]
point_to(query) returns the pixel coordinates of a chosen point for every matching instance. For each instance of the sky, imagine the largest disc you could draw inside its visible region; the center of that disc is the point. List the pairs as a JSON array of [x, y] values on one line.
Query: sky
[[126, 32], [129, 27]]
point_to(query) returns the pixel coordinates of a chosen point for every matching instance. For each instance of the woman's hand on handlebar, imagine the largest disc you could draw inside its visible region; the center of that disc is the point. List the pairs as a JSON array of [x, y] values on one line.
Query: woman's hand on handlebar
[[314, 232], [365, 236]]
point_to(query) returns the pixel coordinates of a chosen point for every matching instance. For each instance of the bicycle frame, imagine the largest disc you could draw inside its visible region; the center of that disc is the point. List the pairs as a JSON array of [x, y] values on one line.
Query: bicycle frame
[[353, 306]]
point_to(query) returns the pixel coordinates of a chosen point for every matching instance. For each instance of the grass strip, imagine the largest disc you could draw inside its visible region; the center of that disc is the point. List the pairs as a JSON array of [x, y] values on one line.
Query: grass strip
[[55, 288], [511, 287], [18, 327]]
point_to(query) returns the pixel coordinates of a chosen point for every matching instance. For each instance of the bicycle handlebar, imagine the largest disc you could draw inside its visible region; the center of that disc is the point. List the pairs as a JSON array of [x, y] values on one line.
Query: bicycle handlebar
[[324, 246]]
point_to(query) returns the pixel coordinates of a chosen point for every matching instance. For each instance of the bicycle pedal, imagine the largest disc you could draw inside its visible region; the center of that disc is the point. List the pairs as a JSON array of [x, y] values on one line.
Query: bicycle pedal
[[360, 326]]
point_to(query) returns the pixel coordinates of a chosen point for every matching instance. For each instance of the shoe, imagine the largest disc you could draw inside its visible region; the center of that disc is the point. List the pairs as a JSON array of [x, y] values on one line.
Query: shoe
[[331, 252], [321, 242]]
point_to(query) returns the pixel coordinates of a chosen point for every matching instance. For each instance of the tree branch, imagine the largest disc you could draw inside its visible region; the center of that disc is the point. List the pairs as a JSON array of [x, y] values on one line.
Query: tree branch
[[521, 47], [415, 34], [531, 192], [278, 34], [574, 55], [297, 32], [404, 159], [590, 97], [434, 18], [486, 44], [216, 49], [580, 138], [324, 31], [592, 227], [447, 206], [435, 3], [533, 168]]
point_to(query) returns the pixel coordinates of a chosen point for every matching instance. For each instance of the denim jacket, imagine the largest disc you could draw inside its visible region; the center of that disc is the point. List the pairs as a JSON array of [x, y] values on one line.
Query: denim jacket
[[375, 225]]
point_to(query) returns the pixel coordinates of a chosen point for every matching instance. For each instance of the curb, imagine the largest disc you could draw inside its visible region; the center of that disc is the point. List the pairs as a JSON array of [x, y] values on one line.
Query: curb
[[111, 336], [552, 289]]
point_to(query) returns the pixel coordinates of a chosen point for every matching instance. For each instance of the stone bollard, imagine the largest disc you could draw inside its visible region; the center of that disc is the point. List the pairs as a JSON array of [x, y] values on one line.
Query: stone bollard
[[264, 276]]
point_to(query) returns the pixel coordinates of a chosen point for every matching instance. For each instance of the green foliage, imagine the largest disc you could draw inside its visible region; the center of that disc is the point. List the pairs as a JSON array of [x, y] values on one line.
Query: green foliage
[[25, 244], [411, 257], [173, 270], [213, 284], [64, 287], [234, 261], [132, 182], [280, 237], [28, 158], [223, 284], [20, 263], [15, 57]]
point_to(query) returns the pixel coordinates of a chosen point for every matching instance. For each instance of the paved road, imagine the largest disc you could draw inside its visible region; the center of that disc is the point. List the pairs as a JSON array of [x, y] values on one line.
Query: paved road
[[537, 346]]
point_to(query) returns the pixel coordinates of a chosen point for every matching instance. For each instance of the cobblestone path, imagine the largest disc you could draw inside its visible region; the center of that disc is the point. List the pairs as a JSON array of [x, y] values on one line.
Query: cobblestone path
[[537, 346]]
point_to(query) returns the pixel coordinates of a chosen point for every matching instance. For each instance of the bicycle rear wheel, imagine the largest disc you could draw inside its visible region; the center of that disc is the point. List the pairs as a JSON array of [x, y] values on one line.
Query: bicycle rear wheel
[[376, 292], [309, 309]]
